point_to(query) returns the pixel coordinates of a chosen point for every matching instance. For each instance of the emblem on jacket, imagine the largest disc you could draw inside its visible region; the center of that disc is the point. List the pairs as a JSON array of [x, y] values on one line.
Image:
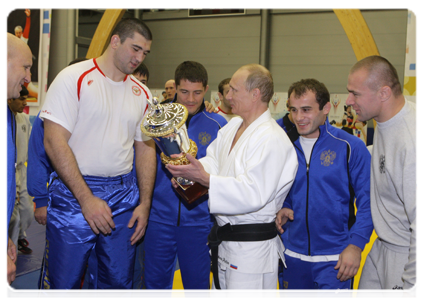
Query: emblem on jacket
[[204, 138], [382, 164], [327, 158], [23, 128]]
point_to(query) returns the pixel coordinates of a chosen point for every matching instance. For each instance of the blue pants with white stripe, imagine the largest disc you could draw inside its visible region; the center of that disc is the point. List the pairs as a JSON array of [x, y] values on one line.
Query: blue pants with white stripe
[[310, 275], [70, 240], [163, 243]]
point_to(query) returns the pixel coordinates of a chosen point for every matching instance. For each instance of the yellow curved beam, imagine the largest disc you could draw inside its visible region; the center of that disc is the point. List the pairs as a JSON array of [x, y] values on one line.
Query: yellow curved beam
[[101, 36], [358, 32]]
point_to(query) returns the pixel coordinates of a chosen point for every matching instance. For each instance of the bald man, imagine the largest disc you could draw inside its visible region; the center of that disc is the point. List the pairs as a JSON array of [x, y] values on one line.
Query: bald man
[[19, 62], [170, 88], [375, 92]]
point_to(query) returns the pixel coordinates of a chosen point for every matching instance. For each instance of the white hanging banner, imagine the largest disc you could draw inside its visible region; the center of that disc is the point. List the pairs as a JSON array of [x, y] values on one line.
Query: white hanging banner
[[277, 105], [409, 89]]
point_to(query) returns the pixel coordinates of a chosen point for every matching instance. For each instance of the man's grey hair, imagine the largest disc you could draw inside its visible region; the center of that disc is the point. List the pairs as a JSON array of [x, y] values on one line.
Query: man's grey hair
[[261, 79]]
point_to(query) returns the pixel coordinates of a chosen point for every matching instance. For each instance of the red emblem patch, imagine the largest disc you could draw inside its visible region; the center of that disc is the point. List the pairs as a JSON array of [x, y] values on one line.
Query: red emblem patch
[[136, 90]]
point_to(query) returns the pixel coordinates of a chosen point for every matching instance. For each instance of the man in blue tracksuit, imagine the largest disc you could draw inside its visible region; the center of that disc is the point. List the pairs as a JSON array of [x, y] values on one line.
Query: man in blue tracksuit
[[11, 187], [39, 170], [323, 236], [177, 229], [19, 62]]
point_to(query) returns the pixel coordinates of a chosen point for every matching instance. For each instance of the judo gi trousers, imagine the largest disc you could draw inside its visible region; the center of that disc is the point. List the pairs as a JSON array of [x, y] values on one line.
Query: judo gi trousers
[[300, 274], [163, 243], [70, 240], [232, 279]]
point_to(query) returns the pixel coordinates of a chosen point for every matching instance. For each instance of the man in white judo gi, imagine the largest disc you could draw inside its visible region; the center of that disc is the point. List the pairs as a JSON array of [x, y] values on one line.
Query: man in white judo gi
[[249, 170]]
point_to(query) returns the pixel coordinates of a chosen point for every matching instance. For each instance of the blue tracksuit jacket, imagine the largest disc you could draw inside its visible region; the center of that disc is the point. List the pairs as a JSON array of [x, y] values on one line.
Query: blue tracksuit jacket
[[322, 197], [39, 165], [11, 162]]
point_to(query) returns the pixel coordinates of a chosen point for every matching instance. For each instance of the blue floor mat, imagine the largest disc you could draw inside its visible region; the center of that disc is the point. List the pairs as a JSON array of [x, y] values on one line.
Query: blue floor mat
[[36, 236], [28, 281], [28, 265]]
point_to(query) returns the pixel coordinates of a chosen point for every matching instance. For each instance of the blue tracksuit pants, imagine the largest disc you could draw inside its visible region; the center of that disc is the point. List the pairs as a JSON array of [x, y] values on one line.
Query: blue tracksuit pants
[[310, 275], [163, 243]]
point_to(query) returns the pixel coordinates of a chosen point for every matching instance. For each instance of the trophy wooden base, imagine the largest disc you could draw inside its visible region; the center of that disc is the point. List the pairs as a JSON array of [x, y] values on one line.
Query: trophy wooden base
[[191, 193]]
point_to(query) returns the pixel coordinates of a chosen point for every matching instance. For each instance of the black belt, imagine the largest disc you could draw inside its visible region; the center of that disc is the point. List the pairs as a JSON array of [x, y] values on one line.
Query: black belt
[[237, 233]]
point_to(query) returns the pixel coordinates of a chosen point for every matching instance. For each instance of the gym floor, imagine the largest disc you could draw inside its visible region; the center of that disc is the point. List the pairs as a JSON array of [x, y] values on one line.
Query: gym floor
[[28, 265]]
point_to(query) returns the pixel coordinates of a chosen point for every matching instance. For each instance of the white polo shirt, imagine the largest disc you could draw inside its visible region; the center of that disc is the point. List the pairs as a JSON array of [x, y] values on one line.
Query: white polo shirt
[[103, 116]]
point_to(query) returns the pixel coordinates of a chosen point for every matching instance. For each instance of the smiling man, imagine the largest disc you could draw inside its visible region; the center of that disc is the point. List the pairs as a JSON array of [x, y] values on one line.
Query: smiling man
[[92, 118], [175, 228], [19, 62], [324, 238]]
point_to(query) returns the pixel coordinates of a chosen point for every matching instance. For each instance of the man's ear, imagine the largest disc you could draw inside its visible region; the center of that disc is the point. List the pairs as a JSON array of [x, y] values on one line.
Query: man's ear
[[220, 96], [256, 94], [326, 108], [114, 41], [385, 93]]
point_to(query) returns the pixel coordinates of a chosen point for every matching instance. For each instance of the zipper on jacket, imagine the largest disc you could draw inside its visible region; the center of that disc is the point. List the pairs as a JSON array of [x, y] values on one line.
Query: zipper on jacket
[[308, 189], [179, 213], [13, 127], [307, 225]]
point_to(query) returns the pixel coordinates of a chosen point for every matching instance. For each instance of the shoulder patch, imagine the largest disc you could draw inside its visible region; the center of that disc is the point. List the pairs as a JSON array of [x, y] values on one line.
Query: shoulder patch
[[136, 90]]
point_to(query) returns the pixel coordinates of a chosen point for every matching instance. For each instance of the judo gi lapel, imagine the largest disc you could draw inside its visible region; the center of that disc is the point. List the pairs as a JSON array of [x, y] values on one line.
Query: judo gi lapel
[[230, 159]]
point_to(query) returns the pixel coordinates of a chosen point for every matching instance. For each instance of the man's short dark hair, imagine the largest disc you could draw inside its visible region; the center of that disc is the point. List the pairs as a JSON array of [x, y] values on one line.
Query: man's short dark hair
[[191, 71], [380, 73], [126, 28], [301, 87], [24, 91], [222, 84], [142, 70]]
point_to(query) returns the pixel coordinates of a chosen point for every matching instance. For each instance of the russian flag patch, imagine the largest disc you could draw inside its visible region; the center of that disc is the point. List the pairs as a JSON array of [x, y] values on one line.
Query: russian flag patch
[[234, 267]]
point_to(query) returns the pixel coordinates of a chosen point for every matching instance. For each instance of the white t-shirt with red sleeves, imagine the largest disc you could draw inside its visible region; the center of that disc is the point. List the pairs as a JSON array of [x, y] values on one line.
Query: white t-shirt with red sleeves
[[103, 117], [227, 116]]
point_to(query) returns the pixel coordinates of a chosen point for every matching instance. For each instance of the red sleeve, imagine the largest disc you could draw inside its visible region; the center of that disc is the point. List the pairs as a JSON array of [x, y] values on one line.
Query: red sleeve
[[27, 27]]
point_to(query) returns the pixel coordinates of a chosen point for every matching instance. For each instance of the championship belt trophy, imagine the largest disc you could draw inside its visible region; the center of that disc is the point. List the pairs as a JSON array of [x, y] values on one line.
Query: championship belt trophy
[[166, 125]]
